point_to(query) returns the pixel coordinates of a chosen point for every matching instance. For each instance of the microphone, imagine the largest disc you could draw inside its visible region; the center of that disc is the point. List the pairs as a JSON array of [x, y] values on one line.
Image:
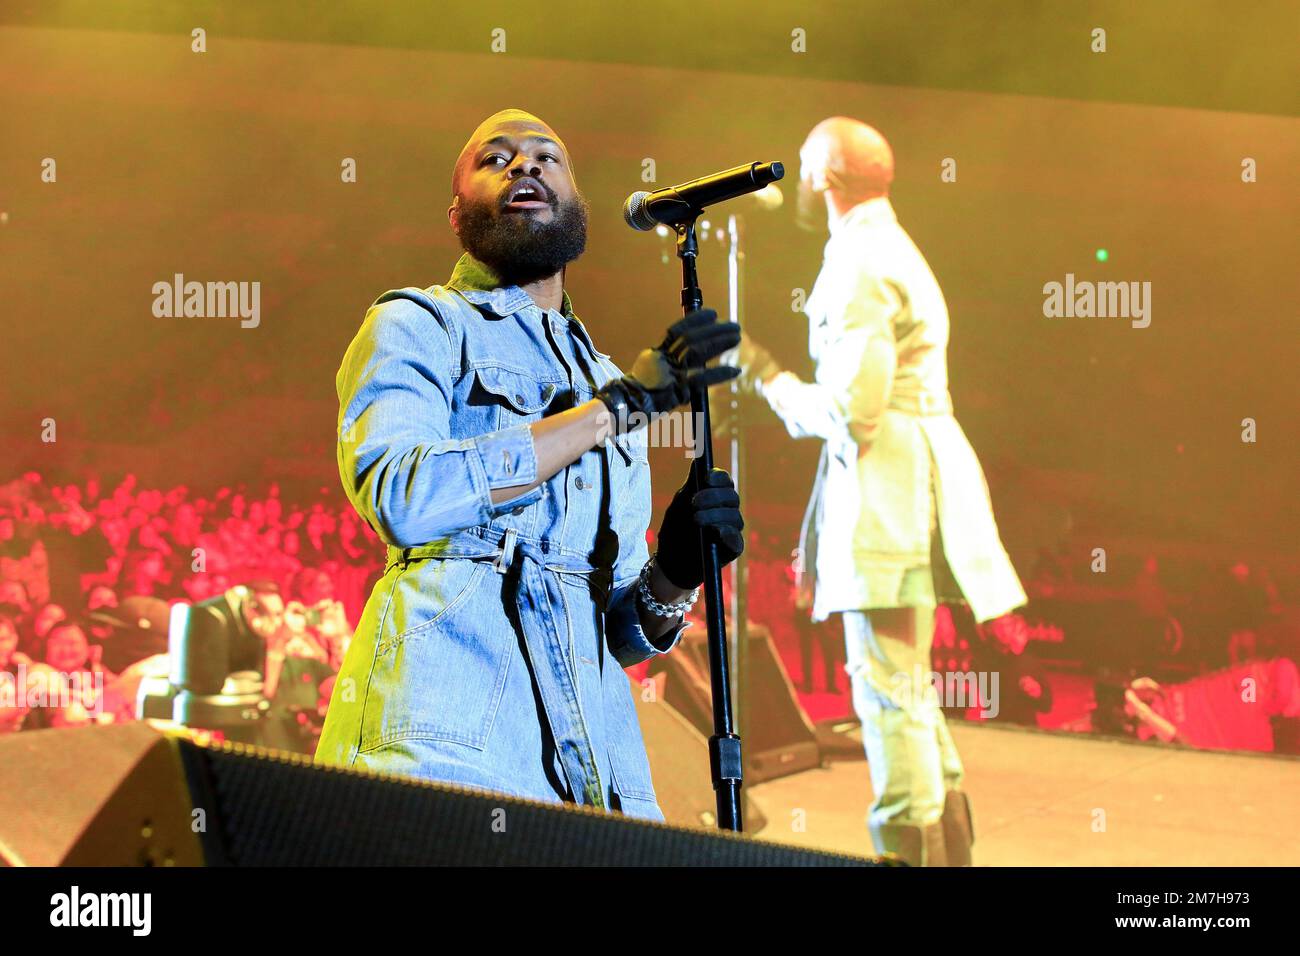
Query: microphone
[[645, 210]]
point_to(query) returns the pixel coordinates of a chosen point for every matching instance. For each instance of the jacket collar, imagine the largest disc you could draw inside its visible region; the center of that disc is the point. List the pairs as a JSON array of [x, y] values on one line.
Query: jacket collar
[[481, 286], [869, 212]]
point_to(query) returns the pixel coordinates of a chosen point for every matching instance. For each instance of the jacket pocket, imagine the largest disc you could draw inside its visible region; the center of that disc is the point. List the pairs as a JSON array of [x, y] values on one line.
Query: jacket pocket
[[518, 395], [442, 672]]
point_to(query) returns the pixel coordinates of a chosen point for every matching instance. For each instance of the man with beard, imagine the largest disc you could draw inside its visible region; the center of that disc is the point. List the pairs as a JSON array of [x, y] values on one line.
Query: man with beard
[[900, 517], [485, 439]]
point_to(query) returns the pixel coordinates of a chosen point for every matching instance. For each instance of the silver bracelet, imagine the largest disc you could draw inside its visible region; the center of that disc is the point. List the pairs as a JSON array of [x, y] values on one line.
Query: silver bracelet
[[658, 608]]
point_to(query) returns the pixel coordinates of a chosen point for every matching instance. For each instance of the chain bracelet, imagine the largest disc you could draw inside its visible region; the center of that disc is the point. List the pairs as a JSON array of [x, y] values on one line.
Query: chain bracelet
[[658, 608]]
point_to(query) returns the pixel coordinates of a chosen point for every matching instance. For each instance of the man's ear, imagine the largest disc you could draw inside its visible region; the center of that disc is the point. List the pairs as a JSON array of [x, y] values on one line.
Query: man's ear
[[453, 214]]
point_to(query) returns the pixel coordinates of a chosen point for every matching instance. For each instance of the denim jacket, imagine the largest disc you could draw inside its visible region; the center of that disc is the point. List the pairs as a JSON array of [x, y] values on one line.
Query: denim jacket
[[490, 654]]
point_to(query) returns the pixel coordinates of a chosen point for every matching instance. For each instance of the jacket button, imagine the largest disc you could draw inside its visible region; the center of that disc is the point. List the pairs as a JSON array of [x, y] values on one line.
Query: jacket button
[[518, 511], [519, 399], [579, 483]]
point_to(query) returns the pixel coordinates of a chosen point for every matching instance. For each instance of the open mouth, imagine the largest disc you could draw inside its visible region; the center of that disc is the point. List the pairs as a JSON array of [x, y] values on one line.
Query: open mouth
[[526, 195]]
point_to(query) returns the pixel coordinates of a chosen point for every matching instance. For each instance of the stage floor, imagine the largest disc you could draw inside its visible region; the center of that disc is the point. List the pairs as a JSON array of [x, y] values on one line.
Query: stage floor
[[1044, 799]]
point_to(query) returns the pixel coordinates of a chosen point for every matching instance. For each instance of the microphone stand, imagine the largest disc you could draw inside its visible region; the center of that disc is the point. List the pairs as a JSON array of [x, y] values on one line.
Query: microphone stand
[[724, 746], [740, 567]]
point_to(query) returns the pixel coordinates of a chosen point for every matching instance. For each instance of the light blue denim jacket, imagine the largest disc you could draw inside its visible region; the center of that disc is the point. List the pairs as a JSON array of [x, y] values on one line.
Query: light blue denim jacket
[[490, 654]]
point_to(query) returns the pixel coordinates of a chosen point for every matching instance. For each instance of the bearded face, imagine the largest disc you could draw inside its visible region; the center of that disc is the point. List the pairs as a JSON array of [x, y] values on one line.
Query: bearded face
[[517, 208], [519, 244]]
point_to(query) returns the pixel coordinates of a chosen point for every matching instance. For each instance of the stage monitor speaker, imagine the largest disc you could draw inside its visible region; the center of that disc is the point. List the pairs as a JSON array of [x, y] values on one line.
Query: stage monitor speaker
[[777, 739], [95, 796], [144, 793]]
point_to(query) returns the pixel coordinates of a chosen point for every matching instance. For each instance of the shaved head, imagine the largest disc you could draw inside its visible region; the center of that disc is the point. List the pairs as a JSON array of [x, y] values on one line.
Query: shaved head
[[515, 119], [848, 156]]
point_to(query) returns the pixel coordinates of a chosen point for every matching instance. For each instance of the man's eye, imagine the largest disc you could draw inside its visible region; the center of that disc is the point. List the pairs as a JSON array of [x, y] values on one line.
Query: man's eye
[[488, 159], [550, 157]]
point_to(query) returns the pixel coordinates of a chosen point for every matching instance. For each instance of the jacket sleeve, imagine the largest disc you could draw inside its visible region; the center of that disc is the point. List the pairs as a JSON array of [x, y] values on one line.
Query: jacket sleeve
[[855, 374], [401, 470]]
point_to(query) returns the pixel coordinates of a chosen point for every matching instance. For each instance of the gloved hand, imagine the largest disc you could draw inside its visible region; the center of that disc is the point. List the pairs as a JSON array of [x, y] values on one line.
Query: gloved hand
[[716, 508], [661, 378]]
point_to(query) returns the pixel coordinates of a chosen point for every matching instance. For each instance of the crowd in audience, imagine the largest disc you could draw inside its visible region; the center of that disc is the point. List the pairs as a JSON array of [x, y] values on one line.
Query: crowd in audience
[[88, 575]]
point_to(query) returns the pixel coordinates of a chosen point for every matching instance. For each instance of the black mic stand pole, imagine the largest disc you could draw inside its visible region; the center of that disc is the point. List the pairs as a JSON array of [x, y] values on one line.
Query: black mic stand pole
[[724, 746], [740, 567]]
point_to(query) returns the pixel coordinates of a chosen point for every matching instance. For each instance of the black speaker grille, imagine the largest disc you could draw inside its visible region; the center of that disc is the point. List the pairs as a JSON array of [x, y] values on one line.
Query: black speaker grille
[[269, 809]]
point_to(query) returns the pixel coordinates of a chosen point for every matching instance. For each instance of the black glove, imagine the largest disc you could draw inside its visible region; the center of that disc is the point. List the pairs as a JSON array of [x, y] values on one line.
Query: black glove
[[661, 379], [716, 508]]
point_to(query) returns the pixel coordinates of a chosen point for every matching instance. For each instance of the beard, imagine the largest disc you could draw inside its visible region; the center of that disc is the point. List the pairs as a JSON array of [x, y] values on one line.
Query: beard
[[810, 211], [519, 247]]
